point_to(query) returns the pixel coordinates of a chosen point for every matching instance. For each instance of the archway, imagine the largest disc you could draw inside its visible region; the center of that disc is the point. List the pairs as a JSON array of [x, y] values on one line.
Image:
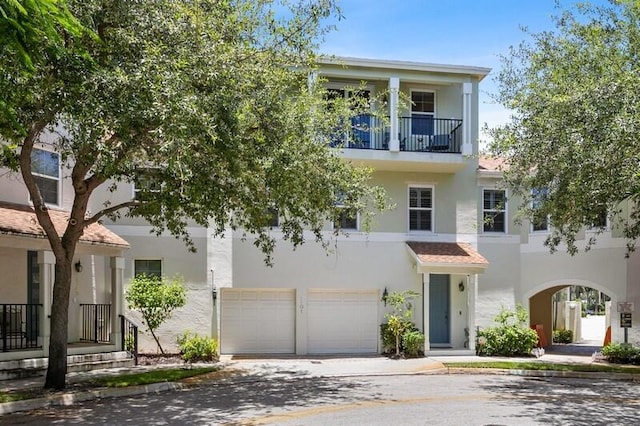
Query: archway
[[540, 301]]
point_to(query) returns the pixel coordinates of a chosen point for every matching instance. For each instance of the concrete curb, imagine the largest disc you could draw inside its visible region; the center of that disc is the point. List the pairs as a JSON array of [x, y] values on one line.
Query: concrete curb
[[547, 373]]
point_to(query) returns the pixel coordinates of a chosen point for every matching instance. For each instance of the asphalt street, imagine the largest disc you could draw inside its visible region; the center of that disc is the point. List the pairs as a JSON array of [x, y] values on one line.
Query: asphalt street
[[292, 399]]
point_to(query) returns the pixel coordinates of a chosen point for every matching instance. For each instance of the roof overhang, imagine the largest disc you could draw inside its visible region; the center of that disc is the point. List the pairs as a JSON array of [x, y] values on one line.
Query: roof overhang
[[446, 258]]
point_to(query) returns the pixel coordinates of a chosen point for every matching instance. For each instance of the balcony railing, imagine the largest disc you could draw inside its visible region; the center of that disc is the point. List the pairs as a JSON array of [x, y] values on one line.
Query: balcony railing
[[419, 133], [20, 326], [96, 323]]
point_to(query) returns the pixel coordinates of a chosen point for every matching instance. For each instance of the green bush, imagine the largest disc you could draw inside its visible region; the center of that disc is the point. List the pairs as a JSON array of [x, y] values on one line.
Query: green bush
[[619, 353], [413, 343], [562, 336], [389, 339], [511, 337], [194, 348]]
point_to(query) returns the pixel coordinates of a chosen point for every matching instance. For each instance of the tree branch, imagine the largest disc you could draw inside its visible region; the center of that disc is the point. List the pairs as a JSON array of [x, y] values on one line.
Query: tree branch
[[109, 210]]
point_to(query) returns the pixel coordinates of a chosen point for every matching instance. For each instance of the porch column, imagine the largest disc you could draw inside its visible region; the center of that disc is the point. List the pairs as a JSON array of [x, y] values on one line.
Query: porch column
[[425, 312], [394, 87], [46, 266], [117, 280], [467, 147], [472, 296]]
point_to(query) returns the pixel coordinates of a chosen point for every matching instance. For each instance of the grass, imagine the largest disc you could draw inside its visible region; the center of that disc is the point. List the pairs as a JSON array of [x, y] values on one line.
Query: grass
[[124, 380], [546, 366]]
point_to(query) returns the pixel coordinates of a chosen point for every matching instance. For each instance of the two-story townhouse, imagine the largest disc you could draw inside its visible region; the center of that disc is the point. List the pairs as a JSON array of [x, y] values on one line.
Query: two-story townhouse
[[524, 271], [27, 267]]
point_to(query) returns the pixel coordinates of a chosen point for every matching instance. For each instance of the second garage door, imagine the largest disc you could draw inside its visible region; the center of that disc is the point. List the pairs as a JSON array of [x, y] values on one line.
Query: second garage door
[[342, 321], [256, 321]]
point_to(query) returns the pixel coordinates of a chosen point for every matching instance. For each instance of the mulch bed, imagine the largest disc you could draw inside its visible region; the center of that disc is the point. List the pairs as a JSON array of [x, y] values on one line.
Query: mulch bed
[[159, 359]]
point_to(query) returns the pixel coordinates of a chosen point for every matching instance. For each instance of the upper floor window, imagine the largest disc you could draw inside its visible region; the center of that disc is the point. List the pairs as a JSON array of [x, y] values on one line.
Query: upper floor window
[[145, 184], [423, 108], [494, 210], [420, 209], [45, 167], [540, 221], [274, 217], [601, 220], [347, 219], [148, 267], [360, 128]]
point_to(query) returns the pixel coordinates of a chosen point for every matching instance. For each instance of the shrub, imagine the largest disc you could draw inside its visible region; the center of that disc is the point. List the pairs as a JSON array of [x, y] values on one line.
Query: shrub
[[413, 343], [619, 353], [194, 348], [511, 337], [399, 320], [562, 336], [389, 338]]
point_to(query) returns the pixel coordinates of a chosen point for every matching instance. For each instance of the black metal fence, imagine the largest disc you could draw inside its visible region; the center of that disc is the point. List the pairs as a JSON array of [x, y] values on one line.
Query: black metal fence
[[418, 133], [96, 322], [20, 326], [129, 333]]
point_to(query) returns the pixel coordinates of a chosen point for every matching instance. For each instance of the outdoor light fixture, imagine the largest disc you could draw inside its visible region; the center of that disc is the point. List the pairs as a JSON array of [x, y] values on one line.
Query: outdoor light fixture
[[385, 294], [214, 290], [78, 266], [461, 286]]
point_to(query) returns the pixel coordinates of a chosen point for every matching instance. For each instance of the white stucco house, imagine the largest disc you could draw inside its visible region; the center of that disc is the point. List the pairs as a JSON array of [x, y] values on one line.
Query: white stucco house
[[314, 301]]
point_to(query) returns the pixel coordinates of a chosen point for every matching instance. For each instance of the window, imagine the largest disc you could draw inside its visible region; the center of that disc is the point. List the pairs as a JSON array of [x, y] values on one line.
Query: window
[[600, 220], [422, 112], [494, 210], [347, 219], [540, 221], [145, 184], [274, 217], [45, 166], [360, 134], [420, 209], [149, 267]]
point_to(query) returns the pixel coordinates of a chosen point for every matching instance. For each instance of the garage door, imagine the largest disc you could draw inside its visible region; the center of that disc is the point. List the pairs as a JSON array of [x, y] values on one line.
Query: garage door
[[257, 321], [341, 321]]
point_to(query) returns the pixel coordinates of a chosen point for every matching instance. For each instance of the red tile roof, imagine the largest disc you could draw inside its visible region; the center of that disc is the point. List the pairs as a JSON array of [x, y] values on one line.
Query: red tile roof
[[447, 253], [18, 219], [491, 164]]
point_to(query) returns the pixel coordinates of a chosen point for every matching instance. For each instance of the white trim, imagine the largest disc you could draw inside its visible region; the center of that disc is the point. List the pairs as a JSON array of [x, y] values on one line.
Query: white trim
[[58, 179], [133, 264], [145, 231], [506, 212], [432, 209], [566, 283]]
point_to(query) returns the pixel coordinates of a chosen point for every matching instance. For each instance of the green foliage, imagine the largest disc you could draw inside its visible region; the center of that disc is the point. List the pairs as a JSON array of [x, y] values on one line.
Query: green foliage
[[195, 348], [562, 336], [573, 93], [510, 337], [399, 319], [155, 299], [413, 343], [620, 353]]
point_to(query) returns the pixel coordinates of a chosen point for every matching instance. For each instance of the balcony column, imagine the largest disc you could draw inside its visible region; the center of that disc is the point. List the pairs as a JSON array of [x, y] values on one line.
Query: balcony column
[[467, 146], [46, 266], [472, 297], [394, 87], [117, 281], [425, 311]]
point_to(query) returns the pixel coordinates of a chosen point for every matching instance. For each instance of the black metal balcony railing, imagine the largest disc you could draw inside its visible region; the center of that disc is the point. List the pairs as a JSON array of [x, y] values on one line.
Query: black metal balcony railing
[[129, 333], [20, 326], [418, 133], [96, 322]]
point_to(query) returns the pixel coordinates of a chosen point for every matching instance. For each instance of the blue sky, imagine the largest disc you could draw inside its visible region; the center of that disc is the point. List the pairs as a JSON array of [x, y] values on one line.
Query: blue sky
[[460, 32]]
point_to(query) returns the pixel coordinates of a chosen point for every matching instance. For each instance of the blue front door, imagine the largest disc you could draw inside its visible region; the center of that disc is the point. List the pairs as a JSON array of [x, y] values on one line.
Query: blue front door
[[439, 297]]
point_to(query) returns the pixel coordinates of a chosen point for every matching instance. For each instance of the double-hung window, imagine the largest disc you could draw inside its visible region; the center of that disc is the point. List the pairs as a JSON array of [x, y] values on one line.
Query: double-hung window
[[274, 217], [148, 267], [540, 221], [494, 210], [347, 218], [45, 167], [145, 185], [360, 124], [420, 209], [423, 108]]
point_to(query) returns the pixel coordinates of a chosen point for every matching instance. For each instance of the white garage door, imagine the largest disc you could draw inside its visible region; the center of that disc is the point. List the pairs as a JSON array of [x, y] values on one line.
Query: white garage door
[[257, 321], [341, 321]]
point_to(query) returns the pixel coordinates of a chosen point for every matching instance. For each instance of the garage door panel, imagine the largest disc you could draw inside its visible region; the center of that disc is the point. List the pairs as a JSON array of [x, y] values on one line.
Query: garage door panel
[[342, 321], [257, 321]]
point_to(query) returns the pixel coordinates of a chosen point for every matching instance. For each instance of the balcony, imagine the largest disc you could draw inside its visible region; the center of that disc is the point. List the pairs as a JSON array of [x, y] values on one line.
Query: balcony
[[424, 143]]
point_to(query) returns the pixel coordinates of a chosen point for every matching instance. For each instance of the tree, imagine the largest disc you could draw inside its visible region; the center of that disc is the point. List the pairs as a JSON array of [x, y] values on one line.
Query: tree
[[156, 299], [211, 100], [399, 320], [572, 145]]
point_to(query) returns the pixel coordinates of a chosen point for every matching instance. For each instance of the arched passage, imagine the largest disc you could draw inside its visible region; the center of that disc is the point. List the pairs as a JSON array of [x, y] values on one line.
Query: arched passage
[[539, 301]]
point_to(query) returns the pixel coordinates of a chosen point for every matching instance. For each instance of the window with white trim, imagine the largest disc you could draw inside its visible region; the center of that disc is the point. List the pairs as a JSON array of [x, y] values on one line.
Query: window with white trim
[[45, 167], [420, 209], [540, 221], [274, 217], [347, 218], [144, 185], [423, 109], [148, 267], [494, 207]]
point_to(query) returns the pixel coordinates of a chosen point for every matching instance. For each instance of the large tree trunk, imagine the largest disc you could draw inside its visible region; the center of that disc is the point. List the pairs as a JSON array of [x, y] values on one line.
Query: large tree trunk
[[57, 370]]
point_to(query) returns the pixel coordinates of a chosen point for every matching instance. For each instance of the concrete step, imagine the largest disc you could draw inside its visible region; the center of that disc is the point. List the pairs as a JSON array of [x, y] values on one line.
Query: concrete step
[[32, 367]]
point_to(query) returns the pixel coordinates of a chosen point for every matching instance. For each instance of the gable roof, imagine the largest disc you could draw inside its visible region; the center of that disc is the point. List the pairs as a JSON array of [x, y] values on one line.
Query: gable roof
[[21, 220], [491, 164], [447, 257]]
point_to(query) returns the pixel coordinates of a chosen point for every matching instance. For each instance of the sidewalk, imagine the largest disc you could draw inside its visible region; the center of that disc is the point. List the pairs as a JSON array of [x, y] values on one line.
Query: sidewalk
[[286, 367]]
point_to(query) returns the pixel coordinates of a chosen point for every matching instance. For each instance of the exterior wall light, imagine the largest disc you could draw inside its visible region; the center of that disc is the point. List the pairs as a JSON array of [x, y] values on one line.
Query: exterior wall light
[[78, 266], [461, 286], [385, 294]]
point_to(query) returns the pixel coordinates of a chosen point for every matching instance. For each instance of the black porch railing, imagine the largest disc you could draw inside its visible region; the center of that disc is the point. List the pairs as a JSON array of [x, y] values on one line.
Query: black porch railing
[[20, 326], [418, 133], [129, 333], [96, 322]]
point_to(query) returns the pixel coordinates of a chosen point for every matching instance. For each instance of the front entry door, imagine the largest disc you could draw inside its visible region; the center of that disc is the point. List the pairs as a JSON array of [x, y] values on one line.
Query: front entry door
[[439, 296]]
